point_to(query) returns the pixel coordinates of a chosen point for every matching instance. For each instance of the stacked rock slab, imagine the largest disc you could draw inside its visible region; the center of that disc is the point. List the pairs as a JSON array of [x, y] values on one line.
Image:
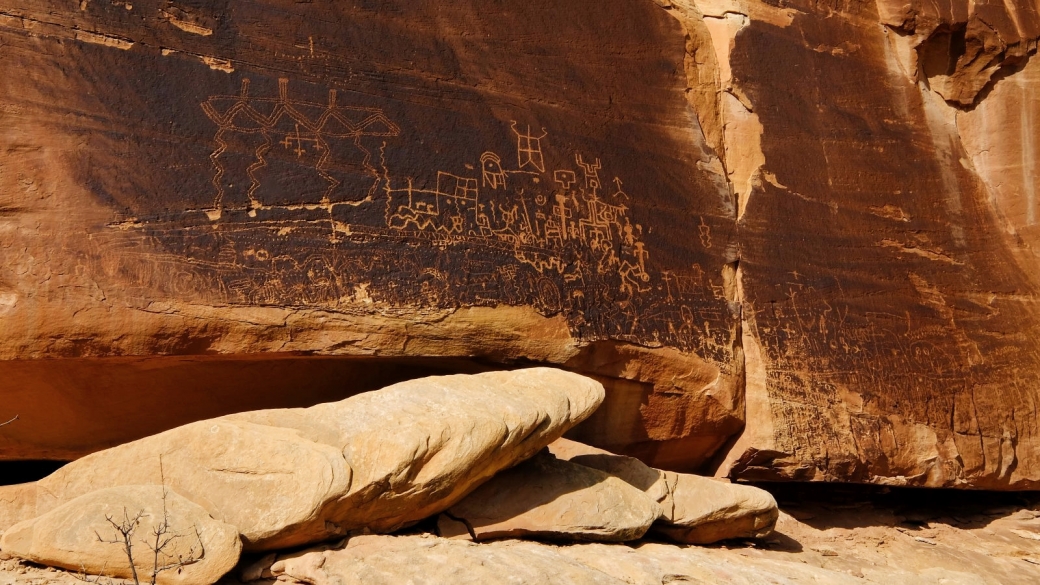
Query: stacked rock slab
[[548, 498], [377, 461], [694, 509]]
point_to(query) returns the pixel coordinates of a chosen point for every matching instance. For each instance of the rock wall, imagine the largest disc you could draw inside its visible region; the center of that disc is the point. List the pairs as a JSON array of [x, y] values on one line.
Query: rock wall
[[794, 240], [889, 284], [407, 179]]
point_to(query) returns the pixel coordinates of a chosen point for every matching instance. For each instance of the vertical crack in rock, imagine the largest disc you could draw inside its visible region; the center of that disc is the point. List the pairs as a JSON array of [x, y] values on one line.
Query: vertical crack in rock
[[733, 129], [727, 116]]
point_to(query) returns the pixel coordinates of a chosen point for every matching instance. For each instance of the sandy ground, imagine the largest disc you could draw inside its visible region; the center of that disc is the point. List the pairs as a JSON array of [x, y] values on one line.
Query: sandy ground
[[826, 534]]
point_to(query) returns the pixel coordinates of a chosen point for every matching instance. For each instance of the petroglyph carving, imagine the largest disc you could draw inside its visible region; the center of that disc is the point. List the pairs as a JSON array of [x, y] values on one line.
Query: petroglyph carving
[[705, 232], [306, 129], [529, 149], [285, 229], [491, 166]]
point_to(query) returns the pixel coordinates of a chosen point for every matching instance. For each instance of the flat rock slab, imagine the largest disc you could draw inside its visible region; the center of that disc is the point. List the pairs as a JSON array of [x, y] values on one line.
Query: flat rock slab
[[694, 509], [704, 510], [376, 461], [79, 537], [545, 497]]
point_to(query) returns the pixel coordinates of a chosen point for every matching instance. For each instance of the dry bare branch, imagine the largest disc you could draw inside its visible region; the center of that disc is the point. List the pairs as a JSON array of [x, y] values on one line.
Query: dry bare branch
[[126, 530], [159, 543]]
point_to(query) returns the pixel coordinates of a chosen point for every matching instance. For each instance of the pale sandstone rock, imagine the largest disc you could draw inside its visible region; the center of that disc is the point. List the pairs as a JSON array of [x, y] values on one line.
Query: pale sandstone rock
[[266, 481], [1002, 137], [261, 568], [990, 544], [17, 503], [392, 560], [631, 470], [69, 536], [423, 560], [545, 497], [694, 509], [376, 461]]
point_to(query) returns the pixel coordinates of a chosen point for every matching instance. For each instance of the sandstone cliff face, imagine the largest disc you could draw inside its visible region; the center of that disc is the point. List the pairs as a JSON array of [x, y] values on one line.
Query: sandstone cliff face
[[407, 179], [889, 305], [815, 218]]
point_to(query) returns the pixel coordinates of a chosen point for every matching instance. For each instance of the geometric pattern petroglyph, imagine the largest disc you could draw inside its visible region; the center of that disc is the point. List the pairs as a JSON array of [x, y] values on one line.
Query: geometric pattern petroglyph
[[307, 210]]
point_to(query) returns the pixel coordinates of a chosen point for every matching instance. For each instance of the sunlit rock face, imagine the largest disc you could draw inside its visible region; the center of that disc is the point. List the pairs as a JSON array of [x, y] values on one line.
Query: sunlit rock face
[[510, 183], [793, 241], [889, 288]]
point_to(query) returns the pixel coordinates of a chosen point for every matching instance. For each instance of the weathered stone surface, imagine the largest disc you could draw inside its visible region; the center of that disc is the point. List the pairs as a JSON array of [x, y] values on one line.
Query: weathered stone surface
[[705, 510], [889, 319], [375, 560], [546, 497], [960, 46], [376, 461], [70, 536], [857, 547], [272, 176], [902, 536], [17, 503], [1002, 137], [694, 510], [654, 482]]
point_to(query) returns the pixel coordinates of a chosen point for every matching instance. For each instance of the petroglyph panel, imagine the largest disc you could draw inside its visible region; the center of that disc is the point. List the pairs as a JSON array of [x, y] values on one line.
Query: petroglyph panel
[[543, 231], [361, 163], [513, 182], [895, 326]]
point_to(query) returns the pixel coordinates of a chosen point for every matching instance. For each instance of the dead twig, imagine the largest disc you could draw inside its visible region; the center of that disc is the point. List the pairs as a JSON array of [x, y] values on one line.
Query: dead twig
[[159, 543], [125, 530]]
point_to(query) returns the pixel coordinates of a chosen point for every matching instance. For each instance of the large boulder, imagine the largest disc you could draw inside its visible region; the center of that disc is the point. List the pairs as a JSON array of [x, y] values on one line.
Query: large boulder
[[548, 498], [377, 461], [17, 503], [169, 536], [694, 509]]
